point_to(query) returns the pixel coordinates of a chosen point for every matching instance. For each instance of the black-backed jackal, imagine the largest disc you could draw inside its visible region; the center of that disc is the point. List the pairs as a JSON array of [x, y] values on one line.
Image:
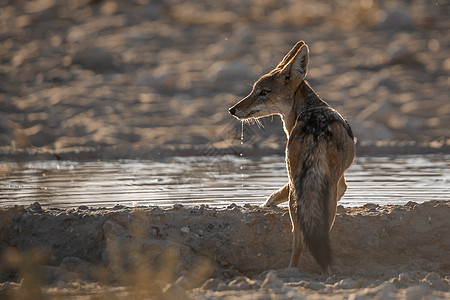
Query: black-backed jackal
[[320, 147]]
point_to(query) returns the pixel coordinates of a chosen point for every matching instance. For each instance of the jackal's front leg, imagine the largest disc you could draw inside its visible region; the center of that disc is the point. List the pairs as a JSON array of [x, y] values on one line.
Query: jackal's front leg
[[280, 196], [342, 187]]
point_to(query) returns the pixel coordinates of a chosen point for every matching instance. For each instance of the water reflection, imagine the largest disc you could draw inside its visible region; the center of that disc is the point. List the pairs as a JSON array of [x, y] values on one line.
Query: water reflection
[[213, 181]]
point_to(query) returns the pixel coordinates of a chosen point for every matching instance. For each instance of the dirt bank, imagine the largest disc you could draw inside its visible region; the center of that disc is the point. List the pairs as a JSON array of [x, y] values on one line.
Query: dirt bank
[[237, 252]]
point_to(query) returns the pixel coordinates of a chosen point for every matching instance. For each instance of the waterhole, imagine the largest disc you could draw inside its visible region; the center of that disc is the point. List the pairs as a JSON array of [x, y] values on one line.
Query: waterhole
[[215, 181]]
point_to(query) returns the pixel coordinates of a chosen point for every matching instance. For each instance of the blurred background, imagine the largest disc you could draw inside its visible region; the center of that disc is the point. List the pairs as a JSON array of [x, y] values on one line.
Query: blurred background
[[139, 75]]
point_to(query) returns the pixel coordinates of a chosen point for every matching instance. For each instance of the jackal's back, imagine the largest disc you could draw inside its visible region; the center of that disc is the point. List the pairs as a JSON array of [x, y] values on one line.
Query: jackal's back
[[316, 122], [317, 149]]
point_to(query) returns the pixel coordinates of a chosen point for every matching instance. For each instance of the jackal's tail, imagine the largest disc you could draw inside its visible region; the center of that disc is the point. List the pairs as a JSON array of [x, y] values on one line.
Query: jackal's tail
[[312, 192]]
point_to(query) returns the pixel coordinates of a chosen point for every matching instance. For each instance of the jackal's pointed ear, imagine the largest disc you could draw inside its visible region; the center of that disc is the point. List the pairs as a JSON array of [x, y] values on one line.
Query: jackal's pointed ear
[[297, 67], [291, 54]]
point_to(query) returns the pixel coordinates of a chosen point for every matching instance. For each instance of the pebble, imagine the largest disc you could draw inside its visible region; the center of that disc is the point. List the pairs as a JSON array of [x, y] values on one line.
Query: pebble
[[36, 206], [212, 284], [243, 283], [272, 281], [174, 291], [346, 283], [437, 282]]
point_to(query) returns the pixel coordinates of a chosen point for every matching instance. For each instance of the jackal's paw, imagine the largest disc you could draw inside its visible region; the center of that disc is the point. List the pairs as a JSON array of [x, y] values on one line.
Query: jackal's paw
[[277, 197], [271, 201], [267, 204]]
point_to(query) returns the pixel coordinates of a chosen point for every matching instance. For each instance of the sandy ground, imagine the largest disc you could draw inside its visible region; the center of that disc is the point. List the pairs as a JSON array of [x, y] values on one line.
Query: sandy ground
[[199, 252], [144, 79], [88, 79]]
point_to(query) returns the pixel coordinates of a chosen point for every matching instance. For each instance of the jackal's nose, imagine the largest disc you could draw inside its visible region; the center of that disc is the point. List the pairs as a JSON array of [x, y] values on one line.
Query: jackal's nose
[[232, 111]]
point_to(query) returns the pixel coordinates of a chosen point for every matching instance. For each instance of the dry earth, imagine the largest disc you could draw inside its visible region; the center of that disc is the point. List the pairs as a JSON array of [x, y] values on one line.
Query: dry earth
[[155, 78], [83, 79], [232, 253]]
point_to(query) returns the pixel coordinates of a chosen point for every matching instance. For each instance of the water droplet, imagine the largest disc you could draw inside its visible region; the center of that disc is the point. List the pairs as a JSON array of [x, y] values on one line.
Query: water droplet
[[242, 132]]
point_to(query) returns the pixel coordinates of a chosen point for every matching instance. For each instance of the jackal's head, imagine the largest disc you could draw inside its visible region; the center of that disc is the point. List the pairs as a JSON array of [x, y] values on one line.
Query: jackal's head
[[274, 92]]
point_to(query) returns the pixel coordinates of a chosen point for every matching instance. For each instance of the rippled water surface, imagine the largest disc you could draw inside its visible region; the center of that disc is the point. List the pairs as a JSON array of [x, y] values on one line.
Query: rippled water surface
[[213, 181]]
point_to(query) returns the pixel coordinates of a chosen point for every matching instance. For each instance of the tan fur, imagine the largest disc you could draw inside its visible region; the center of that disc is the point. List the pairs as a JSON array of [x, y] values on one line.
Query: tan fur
[[325, 143]]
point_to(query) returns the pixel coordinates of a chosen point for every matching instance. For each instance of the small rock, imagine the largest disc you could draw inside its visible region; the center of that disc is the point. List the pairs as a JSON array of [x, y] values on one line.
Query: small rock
[[243, 283], [346, 283], [174, 291], [178, 206], [437, 282], [211, 284], [232, 206], [36, 206], [403, 279], [272, 281], [371, 206]]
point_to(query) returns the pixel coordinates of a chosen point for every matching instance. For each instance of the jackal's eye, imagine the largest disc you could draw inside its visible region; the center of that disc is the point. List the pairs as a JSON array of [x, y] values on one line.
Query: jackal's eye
[[264, 92]]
